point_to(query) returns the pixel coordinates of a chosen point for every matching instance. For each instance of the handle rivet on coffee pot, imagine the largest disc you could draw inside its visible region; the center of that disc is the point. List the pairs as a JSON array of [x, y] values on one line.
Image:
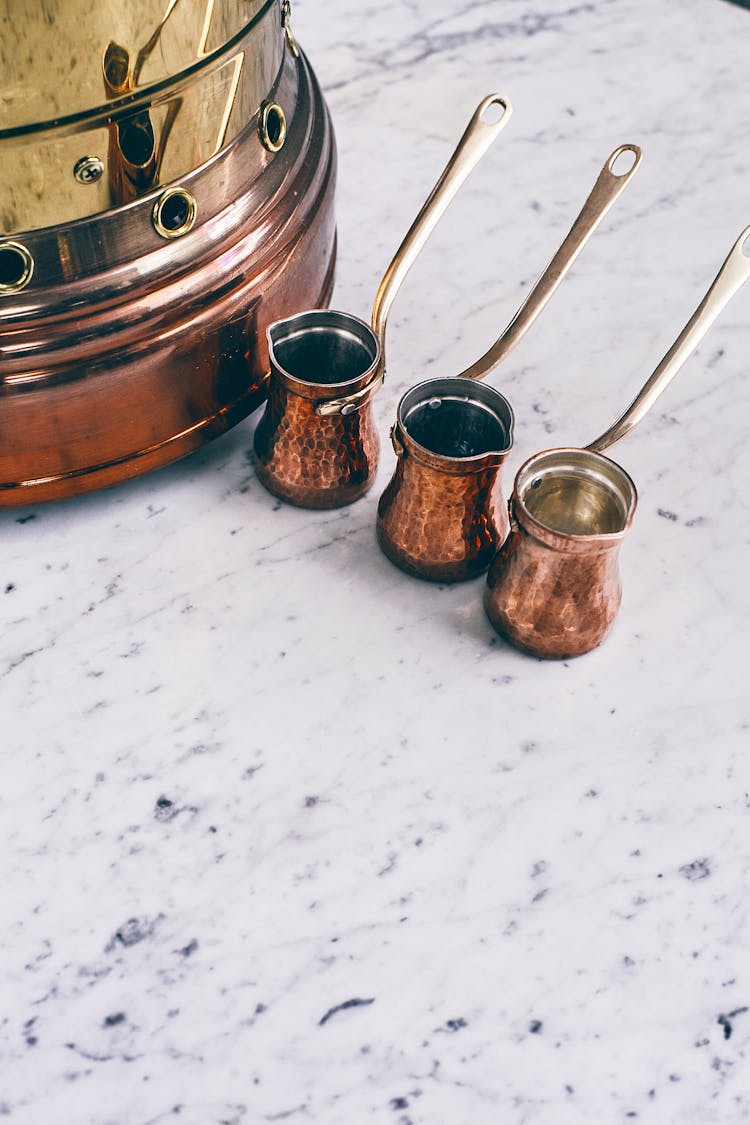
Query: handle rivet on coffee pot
[[174, 213], [88, 169], [272, 127], [16, 267]]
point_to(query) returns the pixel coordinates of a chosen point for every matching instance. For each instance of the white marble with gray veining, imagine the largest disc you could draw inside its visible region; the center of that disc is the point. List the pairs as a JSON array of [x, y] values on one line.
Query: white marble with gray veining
[[289, 836]]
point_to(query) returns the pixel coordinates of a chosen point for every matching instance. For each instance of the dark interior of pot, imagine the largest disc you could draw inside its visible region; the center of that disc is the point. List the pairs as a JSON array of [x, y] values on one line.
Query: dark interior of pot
[[456, 427], [324, 347], [576, 492]]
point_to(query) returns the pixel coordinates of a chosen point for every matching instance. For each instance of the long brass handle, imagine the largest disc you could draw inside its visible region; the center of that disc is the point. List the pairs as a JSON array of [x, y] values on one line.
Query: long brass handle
[[732, 275], [605, 191], [477, 138], [479, 135]]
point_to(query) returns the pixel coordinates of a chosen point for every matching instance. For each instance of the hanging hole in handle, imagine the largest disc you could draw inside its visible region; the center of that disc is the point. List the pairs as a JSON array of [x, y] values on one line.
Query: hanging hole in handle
[[494, 111], [174, 213], [272, 127], [624, 160], [16, 267]]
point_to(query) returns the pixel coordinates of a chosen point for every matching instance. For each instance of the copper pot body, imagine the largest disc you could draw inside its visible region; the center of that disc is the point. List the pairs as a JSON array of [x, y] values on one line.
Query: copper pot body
[[129, 348], [554, 588], [305, 458], [442, 517]]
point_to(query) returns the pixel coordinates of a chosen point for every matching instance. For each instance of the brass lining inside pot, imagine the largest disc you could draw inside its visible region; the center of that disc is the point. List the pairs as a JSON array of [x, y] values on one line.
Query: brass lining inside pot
[[576, 492]]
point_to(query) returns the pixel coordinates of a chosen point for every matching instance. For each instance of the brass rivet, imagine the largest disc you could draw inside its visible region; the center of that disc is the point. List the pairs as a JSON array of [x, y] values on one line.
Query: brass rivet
[[272, 127], [174, 213], [88, 169], [16, 267]]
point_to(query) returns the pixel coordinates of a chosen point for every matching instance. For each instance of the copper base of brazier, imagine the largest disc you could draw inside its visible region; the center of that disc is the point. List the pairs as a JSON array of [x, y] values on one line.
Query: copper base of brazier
[[127, 351]]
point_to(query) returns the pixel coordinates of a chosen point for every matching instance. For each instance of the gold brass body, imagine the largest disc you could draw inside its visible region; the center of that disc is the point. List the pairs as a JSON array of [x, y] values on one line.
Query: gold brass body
[[159, 86]]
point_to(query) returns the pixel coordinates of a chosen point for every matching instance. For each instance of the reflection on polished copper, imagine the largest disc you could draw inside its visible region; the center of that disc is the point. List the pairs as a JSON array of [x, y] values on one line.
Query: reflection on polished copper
[[442, 516], [127, 350], [554, 588]]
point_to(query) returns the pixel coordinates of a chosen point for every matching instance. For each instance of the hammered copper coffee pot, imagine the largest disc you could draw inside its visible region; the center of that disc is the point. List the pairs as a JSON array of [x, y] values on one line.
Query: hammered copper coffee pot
[[316, 444], [443, 516], [554, 588]]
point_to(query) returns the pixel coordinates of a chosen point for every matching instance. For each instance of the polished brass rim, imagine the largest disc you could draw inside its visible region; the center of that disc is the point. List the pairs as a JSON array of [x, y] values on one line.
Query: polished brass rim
[[16, 267], [174, 212], [272, 127]]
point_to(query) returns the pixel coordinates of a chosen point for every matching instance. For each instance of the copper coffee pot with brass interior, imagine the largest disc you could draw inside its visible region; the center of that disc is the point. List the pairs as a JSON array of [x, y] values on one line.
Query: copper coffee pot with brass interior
[[443, 516], [554, 588], [316, 445]]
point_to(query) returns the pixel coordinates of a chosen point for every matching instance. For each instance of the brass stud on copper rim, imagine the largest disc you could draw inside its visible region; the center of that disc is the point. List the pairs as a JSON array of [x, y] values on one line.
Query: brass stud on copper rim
[[16, 267], [174, 213], [272, 127]]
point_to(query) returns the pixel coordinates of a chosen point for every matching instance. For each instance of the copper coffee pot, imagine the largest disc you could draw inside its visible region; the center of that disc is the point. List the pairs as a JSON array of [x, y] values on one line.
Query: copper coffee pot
[[316, 444], [442, 517], [554, 588]]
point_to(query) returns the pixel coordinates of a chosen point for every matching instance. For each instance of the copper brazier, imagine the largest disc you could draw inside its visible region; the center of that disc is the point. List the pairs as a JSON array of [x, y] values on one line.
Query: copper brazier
[[162, 205]]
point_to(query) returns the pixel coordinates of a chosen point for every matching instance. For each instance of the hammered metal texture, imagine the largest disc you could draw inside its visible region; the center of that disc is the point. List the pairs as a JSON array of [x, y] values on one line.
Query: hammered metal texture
[[551, 602], [314, 461], [442, 526]]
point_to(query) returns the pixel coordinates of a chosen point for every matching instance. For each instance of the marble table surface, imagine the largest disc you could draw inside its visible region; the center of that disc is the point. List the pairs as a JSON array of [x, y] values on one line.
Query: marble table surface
[[290, 836]]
